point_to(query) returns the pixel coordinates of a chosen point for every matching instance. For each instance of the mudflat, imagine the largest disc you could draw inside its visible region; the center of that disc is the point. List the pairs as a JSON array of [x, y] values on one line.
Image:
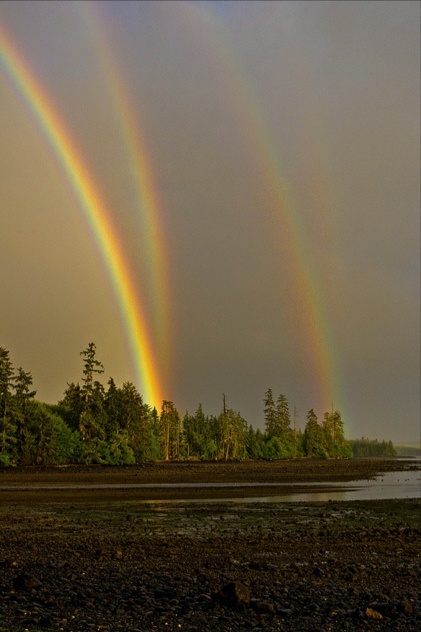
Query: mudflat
[[104, 559], [26, 480]]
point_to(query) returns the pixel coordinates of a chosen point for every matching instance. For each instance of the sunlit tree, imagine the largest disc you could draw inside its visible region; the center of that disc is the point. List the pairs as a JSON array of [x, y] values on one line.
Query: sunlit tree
[[313, 439], [92, 367], [7, 421]]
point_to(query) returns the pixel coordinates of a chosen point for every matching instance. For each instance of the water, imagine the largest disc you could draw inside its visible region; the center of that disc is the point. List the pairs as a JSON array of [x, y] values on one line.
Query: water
[[386, 486], [404, 484], [392, 485]]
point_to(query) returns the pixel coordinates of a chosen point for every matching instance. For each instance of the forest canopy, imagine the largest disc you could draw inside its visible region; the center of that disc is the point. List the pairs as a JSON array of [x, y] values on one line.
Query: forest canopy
[[112, 425]]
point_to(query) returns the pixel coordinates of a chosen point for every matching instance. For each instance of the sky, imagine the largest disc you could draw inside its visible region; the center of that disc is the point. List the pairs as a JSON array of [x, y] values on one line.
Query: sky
[[223, 196]]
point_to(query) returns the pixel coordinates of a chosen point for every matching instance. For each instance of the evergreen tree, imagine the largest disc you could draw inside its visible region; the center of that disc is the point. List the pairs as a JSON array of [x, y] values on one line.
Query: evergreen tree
[[92, 367], [7, 421], [113, 409], [234, 435], [270, 414], [72, 405], [255, 443], [170, 431], [23, 394], [47, 440], [136, 421], [283, 419], [196, 434], [93, 419], [313, 439], [334, 436]]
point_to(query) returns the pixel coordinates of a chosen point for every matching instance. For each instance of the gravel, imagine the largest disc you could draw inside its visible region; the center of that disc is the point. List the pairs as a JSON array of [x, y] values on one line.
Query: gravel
[[210, 566]]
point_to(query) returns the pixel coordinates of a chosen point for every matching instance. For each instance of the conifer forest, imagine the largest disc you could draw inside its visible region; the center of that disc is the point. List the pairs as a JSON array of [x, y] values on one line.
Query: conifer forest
[[111, 424]]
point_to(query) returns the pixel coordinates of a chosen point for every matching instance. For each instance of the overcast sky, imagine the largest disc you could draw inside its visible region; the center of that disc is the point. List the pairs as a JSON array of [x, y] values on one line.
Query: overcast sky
[[284, 140]]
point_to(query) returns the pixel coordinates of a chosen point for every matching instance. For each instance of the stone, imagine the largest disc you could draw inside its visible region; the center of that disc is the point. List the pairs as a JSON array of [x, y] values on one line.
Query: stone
[[373, 614], [264, 607], [27, 582], [235, 594], [406, 607], [384, 607]]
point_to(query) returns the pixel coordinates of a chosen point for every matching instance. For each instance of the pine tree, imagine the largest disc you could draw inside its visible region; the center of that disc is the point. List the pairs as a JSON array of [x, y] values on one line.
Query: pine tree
[[234, 434], [92, 419], [270, 414], [283, 419], [72, 405], [21, 398], [136, 421], [7, 422], [333, 430], [170, 431], [112, 406], [313, 439], [92, 367]]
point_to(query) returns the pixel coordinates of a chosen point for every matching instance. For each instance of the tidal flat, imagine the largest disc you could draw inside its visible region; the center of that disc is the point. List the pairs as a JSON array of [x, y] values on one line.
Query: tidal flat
[[114, 559]]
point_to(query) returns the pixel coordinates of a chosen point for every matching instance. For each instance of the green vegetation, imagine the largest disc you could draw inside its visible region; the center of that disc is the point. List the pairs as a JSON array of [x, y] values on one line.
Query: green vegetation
[[408, 449], [113, 425], [372, 447]]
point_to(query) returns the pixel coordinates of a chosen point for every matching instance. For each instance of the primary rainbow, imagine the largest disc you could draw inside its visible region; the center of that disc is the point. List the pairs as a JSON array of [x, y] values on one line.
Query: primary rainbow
[[311, 313], [140, 163], [95, 213]]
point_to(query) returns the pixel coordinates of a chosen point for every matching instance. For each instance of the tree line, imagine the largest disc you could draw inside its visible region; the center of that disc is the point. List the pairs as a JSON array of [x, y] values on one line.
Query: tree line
[[94, 423]]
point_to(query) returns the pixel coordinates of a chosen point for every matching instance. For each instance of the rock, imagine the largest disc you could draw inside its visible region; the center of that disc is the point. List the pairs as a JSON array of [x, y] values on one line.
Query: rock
[[99, 554], [406, 607], [235, 594], [373, 614], [27, 582], [45, 622], [385, 608], [8, 563], [264, 607]]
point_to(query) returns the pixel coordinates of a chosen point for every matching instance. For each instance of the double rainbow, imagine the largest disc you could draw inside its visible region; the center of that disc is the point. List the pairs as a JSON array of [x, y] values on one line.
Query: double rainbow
[[96, 214]]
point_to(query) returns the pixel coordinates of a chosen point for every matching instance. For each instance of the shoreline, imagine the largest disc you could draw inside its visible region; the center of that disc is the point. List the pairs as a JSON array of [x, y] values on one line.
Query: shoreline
[[173, 480]]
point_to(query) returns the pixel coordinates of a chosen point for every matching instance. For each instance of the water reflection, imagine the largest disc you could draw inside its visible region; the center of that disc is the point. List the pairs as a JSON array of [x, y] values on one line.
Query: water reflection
[[391, 485], [387, 486]]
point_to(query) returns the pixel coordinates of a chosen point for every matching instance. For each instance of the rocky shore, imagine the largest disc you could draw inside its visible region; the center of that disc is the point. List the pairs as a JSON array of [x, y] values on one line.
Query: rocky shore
[[120, 564]]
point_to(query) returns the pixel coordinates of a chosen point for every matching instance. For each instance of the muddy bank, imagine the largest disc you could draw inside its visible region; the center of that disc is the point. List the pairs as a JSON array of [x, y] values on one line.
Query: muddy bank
[[283, 473]]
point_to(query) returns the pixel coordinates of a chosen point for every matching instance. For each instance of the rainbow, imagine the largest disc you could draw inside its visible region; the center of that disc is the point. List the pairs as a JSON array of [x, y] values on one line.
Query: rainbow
[[310, 312], [148, 200], [96, 215]]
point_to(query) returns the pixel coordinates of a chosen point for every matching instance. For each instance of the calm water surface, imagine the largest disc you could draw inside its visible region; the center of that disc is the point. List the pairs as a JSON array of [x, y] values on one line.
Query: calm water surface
[[404, 484]]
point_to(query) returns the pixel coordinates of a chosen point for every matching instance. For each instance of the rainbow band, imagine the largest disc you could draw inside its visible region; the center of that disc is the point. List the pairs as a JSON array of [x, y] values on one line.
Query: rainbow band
[[142, 174], [310, 310], [96, 215]]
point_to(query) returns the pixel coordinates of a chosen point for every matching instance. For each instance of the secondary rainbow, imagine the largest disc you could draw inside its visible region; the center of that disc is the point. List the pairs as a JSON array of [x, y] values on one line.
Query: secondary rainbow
[[313, 320], [95, 213], [141, 167]]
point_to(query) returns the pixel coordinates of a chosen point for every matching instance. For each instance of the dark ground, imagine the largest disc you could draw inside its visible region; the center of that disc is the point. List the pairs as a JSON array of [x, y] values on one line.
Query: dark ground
[[102, 560]]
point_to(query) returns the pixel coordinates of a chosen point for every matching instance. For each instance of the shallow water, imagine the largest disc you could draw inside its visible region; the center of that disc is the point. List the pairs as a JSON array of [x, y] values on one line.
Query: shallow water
[[386, 486], [390, 485]]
